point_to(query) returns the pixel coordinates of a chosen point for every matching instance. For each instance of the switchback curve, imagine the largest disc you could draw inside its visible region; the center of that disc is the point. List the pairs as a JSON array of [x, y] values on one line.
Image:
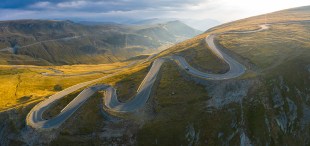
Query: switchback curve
[[35, 120]]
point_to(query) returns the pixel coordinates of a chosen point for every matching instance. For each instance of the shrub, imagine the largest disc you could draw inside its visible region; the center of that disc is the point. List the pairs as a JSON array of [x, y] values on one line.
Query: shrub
[[57, 87]]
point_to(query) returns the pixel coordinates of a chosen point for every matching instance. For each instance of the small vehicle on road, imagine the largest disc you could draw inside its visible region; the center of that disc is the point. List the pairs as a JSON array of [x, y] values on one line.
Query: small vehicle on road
[[186, 68]]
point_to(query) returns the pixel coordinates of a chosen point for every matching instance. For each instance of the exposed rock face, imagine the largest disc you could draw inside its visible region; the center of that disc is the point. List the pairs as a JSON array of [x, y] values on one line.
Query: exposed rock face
[[283, 111], [192, 135], [4, 133], [308, 68], [114, 132], [229, 92], [244, 140], [306, 116], [277, 98], [292, 114]]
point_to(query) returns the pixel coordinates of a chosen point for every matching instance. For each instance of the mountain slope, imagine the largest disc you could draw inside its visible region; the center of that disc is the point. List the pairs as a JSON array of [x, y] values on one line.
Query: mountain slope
[[66, 42], [268, 105]]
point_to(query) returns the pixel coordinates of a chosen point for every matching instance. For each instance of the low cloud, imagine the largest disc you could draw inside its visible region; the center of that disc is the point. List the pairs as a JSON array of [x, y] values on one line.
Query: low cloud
[[41, 5], [72, 4], [123, 10], [115, 5]]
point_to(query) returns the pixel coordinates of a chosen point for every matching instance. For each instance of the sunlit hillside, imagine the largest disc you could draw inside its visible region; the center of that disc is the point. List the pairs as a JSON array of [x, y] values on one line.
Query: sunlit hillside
[[267, 105], [270, 101]]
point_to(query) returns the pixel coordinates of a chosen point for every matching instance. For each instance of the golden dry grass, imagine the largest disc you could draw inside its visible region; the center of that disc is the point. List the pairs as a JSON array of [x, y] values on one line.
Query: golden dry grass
[[270, 48], [24, 84], [79, 69]]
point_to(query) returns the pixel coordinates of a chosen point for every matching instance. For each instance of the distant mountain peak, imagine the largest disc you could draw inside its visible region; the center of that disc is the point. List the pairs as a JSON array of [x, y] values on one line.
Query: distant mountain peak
[[68, 42]]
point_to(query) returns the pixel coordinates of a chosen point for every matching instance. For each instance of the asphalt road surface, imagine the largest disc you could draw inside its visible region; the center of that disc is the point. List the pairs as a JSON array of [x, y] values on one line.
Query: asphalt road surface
[[34, 117], [35, 120], [142, 95]]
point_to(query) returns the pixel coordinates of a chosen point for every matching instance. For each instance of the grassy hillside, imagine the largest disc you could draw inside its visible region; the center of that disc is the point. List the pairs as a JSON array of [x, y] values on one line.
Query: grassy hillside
[[270, 102], [22, 85], [268, 105], [43, 42]]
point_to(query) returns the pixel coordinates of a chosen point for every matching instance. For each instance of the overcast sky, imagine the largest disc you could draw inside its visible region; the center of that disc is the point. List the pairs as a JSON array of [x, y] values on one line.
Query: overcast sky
[[120, 10]]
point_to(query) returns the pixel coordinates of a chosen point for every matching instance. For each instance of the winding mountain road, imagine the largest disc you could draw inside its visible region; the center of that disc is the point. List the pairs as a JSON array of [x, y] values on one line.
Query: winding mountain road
[[35, 120]]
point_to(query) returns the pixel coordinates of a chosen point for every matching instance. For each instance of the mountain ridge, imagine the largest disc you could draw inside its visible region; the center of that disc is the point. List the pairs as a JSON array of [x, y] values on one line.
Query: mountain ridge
[[104, 43]]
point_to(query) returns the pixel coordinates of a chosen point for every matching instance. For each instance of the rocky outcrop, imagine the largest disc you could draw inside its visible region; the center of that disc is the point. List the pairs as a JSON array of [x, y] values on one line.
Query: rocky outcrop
[[192, 135], [229, 92]]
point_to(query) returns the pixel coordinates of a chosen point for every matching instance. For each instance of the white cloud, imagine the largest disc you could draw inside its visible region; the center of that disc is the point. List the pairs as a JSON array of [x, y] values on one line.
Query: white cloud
[[117, 10], [72, 4], [43, 4], [227, 10], [8, 14]]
